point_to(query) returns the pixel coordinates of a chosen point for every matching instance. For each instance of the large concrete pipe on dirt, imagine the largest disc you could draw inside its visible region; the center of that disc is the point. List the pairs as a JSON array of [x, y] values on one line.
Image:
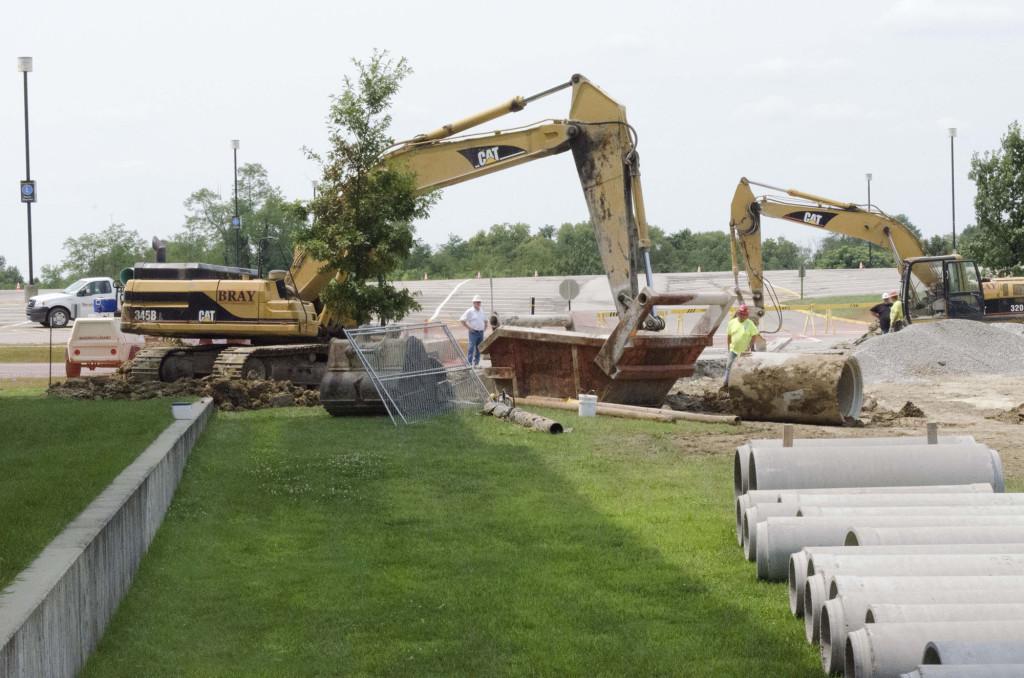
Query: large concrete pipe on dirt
[[846, 613], [823, 567], [741, 457], [967, 671], [757, 514], [749, 499], [887, 650], [796, 467], [795, 387], [778, 538], [950, 533], [798, 562], [955, 510], [964, 653]]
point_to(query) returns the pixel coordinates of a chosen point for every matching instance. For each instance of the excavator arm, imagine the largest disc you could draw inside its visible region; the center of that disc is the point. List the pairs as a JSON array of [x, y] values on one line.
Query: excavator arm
[[871, 225], [603, 146]]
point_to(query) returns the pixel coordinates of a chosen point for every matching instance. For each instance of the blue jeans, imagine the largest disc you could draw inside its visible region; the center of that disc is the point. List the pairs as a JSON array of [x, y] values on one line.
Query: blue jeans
[[473, 354], [728, 367]]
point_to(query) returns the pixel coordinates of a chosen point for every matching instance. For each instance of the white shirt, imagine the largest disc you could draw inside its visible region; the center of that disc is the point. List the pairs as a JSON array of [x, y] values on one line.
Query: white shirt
[[477, 320]]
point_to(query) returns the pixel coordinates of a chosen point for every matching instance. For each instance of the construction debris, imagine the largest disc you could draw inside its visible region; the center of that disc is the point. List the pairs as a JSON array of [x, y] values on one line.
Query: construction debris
[[502, 410], [227, 394]]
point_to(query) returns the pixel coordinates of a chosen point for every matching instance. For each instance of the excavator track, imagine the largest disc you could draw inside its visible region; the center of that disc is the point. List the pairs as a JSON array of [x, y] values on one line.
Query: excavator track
[[302, 364], [145, 366]]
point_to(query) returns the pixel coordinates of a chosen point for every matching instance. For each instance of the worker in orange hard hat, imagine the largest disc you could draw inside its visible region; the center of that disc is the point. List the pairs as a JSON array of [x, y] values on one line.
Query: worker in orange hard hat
[[741, 332]]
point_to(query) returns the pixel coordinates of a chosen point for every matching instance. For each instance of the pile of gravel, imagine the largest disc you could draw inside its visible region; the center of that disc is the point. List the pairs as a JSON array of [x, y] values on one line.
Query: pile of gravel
[[948, 348]]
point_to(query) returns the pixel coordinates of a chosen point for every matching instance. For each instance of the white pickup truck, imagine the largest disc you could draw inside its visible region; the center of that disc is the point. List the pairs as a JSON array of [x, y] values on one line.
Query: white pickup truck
[[57, 309]]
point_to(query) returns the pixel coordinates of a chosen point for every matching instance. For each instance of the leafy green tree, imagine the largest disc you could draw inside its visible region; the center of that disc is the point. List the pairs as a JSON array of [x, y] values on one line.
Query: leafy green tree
[[10, 276], [999, 204], [363, 212], [780, 254], [95, 254], [576, 250]]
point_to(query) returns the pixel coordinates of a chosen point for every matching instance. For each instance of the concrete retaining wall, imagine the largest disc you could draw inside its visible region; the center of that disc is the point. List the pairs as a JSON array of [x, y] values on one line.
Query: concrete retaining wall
[[55, 612]]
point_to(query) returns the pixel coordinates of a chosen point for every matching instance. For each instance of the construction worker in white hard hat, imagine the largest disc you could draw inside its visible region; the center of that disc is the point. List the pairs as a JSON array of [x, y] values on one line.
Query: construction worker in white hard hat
[[474, 320], [882, 312]]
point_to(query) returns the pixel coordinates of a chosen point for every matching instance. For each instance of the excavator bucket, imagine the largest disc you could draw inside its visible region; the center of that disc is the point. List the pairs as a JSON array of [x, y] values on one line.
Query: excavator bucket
[[628, 366]]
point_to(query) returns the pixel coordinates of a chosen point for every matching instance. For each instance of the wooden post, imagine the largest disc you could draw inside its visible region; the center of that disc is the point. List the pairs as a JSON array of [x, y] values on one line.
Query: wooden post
[[933, 433], [787, 435]]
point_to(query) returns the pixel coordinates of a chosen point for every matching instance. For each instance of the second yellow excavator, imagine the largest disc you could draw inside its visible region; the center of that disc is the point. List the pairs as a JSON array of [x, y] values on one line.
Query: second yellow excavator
[[931, 287]]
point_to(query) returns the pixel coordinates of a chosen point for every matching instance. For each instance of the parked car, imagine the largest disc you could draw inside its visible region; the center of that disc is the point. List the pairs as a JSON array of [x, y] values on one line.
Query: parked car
[[99, 342], [57, 309]]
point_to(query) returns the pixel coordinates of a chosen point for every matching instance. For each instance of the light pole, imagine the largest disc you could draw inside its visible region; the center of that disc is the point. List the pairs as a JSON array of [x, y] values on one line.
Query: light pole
[[236, 221], [28, 187], [952, 181], [870, 246]]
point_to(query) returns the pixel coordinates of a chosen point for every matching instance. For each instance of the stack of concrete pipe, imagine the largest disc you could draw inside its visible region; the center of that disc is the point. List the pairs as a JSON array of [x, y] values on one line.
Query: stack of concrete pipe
[[890, 544]]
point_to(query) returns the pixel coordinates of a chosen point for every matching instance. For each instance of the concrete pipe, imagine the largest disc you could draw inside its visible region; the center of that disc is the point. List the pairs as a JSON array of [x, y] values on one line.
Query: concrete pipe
[[948, 652], [561, 320], [745, 501], [742, 455], [799, 570], [778, 538], [823, 567], [939, 510], [757, 514], [843, 614], [796, 387], [887, 650], [930, 496], [967, 671], [901, 613], [796, 467], [862, 535]]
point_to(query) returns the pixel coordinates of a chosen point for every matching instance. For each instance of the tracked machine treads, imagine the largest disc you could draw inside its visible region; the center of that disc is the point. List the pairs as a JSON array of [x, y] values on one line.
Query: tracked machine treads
[[288, 332]]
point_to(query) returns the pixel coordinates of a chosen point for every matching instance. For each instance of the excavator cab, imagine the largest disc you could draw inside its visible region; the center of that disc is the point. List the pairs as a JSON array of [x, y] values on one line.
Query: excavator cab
[[936, 288]]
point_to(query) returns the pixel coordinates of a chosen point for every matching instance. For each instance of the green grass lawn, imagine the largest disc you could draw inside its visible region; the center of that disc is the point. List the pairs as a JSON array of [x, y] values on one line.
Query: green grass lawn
[[299, 544], [32, 354], [56, 456]]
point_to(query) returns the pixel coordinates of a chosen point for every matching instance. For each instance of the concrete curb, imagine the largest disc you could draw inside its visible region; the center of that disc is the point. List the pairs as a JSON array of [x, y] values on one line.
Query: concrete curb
[[55, 612]]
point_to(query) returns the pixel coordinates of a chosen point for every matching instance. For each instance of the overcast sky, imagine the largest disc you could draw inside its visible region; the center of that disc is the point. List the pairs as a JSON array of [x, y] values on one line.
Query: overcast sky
[[133, 104]]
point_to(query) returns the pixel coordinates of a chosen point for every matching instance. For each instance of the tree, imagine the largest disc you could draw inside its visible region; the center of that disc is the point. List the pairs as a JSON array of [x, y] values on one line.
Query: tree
[[780, 254], [998, 242], [576, 250], [10, 276], [97, 254]]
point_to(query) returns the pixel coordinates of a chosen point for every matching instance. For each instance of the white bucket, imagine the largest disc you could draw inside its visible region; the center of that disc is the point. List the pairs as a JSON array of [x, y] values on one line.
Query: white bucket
[[182, 410], [588, 405]]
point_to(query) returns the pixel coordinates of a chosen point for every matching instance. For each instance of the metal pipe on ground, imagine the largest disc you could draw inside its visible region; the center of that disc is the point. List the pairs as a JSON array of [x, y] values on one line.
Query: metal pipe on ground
[[797, 388], [844, 614], [631, 411], [958, 652], [522, 417], [798, 562], [796, 467], [778, 538], [863, 535], [742, 455], [967, 671], [752, 498], [887, 650], [850, 596], [823, 567]]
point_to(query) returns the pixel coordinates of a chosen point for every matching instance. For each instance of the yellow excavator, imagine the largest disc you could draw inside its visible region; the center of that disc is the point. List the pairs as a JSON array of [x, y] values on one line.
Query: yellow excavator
[[280, 318], [931, 288]]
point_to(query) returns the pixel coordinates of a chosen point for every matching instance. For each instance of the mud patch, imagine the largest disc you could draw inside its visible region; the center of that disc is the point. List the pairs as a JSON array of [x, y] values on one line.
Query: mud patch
[[227, 394]]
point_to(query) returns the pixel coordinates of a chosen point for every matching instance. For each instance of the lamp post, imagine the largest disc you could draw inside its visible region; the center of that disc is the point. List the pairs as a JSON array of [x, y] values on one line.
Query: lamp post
[[870, 246], [28, 187], [236, 221], [952, 181]]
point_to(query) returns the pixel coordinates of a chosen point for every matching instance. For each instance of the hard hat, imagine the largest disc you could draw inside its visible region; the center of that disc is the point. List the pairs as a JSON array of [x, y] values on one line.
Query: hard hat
[[743, 310], [476, 298], [894, 294], [885, 295]]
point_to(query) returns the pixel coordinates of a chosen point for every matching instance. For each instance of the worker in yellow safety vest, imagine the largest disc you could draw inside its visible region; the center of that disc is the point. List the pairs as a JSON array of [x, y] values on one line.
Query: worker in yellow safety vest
[[896, 318], [741, 331]]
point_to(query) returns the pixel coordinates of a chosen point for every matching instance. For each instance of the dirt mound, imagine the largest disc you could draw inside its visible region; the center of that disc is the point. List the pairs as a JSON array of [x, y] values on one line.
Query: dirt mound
[[227, 394], [707, 402], [947, 348], [1014, 415]]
